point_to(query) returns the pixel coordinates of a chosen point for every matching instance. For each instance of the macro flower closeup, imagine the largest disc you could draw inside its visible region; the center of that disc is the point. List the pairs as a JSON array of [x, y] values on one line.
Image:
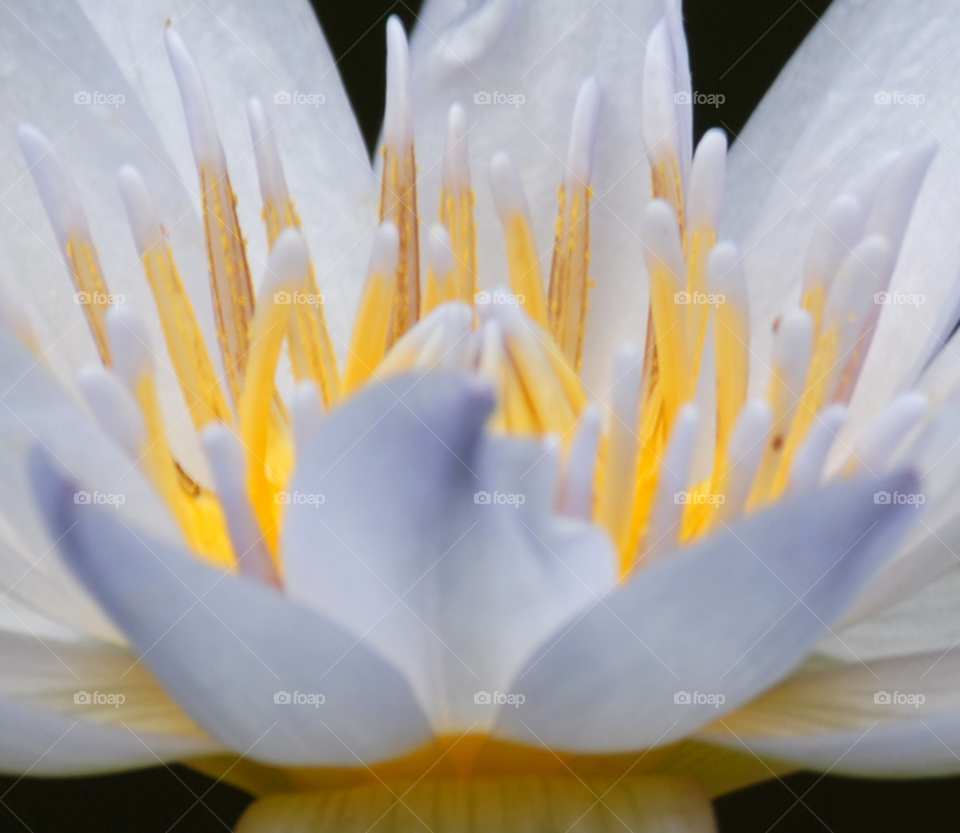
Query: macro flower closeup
[[552, 471]]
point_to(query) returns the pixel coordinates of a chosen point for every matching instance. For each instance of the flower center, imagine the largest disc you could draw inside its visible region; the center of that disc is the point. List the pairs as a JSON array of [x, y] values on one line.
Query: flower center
[[677, 411]]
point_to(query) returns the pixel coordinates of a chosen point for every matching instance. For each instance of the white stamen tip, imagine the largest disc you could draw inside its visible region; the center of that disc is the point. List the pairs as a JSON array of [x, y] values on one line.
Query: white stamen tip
[[386, 250], [141, 215], [288, 265], [55, 186], [888, 429], [725, 274], [439, 251], [747, 442], [130, 344], [115, 409], [832, 238], [508, 196], [661, 237], [707, 178], [576, 495], [808, 462], [792, 348], [583, 134], [306, 413], [398, 118], [456, 156], [667, 513], [229, 474], [661, 134], [196, 106], [273, 185]]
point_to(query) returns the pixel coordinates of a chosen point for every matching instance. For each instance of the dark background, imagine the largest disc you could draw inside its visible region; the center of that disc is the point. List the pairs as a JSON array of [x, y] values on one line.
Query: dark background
[[737, 47]]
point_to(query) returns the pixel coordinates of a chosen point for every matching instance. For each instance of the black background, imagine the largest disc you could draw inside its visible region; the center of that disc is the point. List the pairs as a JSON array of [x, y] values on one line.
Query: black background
[[737, 47]]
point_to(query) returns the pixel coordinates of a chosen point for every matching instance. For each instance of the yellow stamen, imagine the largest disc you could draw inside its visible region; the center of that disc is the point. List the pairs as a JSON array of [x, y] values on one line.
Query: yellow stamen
[[91, 290]]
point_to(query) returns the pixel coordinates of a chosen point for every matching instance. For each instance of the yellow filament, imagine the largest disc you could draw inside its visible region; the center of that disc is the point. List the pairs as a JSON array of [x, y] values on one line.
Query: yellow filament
[[569, 274], [456, 213], [370, 330], [188, 351], [783, 404], [814, 302], [667, 184], [91, 289], [257, 416], [674, 377], [525, 276], [311, 348], [544, 390], [815, 394], [440, 289], [699, 244], [731, 341], [398, 202], [229, 274], [196, 510]]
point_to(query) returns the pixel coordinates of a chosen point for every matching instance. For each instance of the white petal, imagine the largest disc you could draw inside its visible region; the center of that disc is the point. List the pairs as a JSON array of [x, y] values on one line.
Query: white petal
[[228, 649], [37, 414], [727, 617], [818, 131], [406, 552], [542, 51], [248, 48], [841, 720], [43, 742]]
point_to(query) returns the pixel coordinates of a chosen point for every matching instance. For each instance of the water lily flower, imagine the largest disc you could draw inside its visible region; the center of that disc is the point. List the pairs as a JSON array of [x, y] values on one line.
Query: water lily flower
[[373, 512]]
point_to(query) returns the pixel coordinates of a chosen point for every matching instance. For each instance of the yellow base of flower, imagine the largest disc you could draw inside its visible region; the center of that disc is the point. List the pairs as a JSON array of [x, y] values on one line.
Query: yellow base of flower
[[498, 805]]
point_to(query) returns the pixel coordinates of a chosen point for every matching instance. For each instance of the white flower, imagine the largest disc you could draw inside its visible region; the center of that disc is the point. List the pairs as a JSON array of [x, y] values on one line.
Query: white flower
[[459, 586]]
